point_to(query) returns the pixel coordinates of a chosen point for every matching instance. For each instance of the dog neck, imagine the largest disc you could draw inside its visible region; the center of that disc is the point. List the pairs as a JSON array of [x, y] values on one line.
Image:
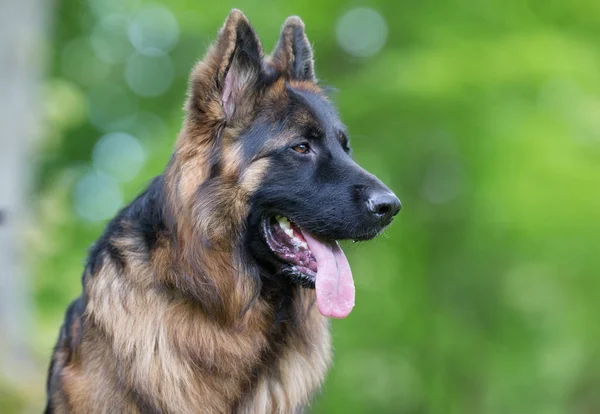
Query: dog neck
[[159, 324]]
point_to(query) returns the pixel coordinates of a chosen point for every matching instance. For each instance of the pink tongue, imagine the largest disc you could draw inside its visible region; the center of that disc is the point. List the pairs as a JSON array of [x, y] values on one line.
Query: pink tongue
[[334, 285]]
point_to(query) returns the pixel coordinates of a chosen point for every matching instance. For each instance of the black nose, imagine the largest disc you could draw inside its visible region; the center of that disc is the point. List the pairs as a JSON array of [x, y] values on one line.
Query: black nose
[[384, 206]]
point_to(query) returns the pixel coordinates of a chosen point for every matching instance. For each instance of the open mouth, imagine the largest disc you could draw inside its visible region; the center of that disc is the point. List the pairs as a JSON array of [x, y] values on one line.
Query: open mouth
[[287, 241], [314, 263]]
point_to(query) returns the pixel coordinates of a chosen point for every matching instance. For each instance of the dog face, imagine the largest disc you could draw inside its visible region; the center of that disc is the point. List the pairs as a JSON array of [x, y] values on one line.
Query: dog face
[[312, 184], [274, 164]]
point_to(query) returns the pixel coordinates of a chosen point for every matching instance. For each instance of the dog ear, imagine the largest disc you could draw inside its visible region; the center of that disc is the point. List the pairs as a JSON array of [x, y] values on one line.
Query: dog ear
[[293, 54], [228, 75]]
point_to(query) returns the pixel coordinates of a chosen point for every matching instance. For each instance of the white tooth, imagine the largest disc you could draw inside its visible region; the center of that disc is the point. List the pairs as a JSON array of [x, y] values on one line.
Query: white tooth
[[286, 226], [284, 223]]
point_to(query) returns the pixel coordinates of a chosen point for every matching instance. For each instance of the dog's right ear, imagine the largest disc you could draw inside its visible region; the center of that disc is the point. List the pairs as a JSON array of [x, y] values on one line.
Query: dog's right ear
[[227, 78], [293, 55]]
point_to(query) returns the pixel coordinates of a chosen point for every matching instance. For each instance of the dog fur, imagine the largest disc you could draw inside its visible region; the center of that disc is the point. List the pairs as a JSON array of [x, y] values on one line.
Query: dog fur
[[177, 315]]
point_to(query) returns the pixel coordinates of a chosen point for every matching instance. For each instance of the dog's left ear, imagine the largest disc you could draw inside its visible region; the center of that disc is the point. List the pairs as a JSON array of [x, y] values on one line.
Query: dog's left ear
[[226, 79], [293, 54]]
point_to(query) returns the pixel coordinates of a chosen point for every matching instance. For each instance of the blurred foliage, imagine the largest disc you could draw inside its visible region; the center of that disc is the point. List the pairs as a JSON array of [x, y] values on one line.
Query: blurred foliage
[[484, 117]]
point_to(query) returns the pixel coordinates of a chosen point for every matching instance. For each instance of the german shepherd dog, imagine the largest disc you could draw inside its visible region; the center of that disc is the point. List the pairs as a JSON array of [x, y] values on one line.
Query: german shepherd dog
[[212, 291]]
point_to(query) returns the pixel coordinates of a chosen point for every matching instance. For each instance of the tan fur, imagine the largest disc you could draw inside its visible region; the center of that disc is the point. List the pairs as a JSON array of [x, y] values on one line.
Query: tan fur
[[181, 329], [170, 352]]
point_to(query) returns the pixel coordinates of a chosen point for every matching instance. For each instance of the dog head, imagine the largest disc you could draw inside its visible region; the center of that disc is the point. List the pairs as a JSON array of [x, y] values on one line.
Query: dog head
[[263, 166]]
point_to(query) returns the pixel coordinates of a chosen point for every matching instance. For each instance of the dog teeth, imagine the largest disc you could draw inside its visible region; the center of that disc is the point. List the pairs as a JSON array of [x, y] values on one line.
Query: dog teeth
[[286, 226], [284, 223]]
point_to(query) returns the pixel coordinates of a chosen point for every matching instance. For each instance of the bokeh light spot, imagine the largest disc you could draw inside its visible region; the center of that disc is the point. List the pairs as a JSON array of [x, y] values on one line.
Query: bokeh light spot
[[149, 76], [65, 104], [111, 108], [154, 31], [150, 130], [79, 62], [97, 196], [362, 32], [120, 155], [109, 39]]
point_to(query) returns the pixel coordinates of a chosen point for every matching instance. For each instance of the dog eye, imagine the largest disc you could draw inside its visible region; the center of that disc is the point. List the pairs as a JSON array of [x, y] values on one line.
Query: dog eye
[[301, 148]]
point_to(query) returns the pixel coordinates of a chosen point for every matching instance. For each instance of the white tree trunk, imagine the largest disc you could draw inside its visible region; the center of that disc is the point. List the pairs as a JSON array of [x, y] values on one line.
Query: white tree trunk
[[22, 30]]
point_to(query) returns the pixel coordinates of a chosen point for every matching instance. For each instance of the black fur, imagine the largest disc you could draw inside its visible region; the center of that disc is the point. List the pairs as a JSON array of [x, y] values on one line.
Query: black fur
[[67, 335], [145, 217], [326, 177]]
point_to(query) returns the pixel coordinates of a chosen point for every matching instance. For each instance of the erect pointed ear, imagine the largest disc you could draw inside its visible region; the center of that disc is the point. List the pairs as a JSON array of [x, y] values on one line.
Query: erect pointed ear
[[228, 75], [293, 54]]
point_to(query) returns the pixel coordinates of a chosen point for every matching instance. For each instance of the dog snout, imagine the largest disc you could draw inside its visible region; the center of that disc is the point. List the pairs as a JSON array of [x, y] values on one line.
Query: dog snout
[[383, 206]]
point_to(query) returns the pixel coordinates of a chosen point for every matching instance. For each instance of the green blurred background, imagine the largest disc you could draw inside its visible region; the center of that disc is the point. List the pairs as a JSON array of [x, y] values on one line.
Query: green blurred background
[[484, 118]]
